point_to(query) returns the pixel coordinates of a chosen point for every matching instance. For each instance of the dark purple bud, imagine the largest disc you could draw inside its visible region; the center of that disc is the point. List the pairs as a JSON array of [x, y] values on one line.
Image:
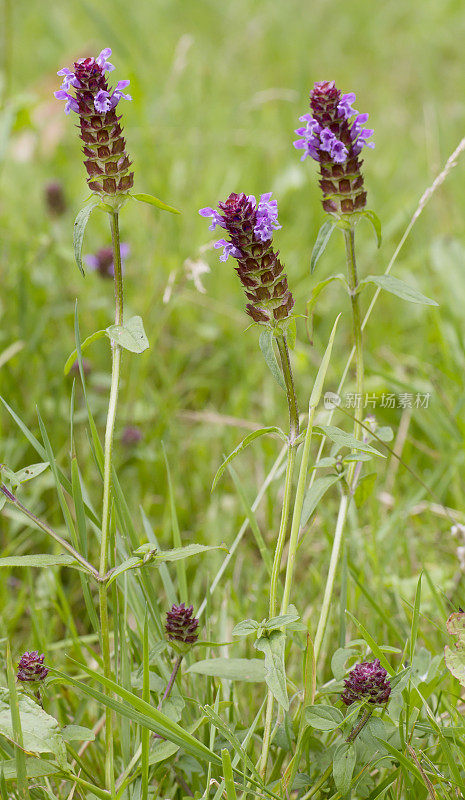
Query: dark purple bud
[[55, 198], [31, 667], [250, 228], [333, 134], [131, 435], [181, 625], [367, 681]]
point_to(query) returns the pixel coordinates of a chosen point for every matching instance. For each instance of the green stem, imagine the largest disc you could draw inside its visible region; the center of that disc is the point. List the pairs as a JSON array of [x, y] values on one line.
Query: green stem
[[293, 434], [297, 513], [106, 512], [345, 499], [349, 239], [290, 390]]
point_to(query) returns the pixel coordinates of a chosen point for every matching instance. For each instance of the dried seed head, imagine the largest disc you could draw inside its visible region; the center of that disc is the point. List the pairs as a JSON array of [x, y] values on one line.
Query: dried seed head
[[334, 136], [367, 681], [250, 228], [106, 160], [31, 667], [181, 625]]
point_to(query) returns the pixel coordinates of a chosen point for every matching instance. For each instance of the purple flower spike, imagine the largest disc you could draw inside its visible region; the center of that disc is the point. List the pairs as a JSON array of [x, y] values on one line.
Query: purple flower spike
[[367, 681], [102, 260], [106, 161], [250, 226], [334, 136], [31, 667], [181, 625]]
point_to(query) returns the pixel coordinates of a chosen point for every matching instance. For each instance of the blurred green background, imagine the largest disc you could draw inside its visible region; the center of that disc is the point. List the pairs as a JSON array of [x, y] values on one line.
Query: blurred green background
[[217, 90]]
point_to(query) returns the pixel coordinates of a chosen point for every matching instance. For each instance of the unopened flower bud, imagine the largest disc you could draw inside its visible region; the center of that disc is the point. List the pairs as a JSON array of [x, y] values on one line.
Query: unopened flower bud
[[31, 667], [55, 198], [181, 625], [367, 681]]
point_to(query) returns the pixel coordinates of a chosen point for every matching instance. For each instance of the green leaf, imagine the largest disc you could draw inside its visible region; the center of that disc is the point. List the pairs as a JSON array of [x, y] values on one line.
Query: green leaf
[[343, 766], [375, 221], [322, 239], [80, 224], [314, 494], [321, 375], [245, 443], [282, 620], [35, 768], [323, 718], [246, 627], [318, 288], [343, 439], [41, 732], [41, 560], [275, 672], [291, 333], [338, 661], [30, 472], [266, 346], [399, 288], [228, 775], [251, 670], [455, 659], [76, 733], [154, 201], [131, 335], [187, 551], [72, 358]]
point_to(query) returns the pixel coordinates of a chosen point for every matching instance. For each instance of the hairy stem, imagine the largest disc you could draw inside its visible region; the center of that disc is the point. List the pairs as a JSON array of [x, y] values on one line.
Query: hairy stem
[[285, 513], [106, 512]]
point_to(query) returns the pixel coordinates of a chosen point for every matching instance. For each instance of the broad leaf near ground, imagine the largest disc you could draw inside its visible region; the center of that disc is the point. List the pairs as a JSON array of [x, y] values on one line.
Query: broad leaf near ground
[[275, 671], [41, 732]]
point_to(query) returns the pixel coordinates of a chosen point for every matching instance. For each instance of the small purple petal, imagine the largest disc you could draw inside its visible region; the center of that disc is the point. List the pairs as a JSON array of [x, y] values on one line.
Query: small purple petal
[[217, 219], [102, 101]]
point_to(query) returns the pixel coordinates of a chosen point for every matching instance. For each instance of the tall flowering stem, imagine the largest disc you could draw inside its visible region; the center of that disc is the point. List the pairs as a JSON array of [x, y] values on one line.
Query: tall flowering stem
[[249, 225], [334, 135], [88, 94]]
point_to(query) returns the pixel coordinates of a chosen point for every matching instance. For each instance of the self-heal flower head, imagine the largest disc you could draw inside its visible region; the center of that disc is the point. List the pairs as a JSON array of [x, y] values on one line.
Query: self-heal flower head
[[250, 227], [334, 135], [102, 260], [368, 682], [181, 625], [87, 93], [31, 668]]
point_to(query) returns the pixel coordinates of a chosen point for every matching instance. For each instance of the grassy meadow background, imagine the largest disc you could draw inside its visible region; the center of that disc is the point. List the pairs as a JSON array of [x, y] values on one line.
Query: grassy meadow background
[[217, 89]]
